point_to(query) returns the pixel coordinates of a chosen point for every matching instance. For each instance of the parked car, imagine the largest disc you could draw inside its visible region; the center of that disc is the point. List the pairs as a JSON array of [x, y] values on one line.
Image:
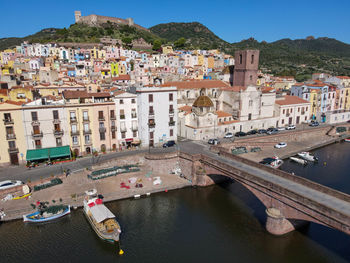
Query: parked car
[[272, 131], [9, 183], [169, 144], [314, 124], [281, 128], [228, 135], [281, 145], [290, 127], [240, 134], [213, 141], [252, 132], [262, 131]]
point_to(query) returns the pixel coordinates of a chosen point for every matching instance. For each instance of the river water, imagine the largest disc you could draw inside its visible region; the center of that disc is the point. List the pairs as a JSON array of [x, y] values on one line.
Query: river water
[[221, 223]]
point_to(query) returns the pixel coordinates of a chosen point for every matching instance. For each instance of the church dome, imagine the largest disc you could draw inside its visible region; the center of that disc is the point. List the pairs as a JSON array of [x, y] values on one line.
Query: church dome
[[203, 101]]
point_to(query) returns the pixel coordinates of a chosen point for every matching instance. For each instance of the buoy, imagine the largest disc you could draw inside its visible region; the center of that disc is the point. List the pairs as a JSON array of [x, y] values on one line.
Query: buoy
[[121, 252], [137, 196]]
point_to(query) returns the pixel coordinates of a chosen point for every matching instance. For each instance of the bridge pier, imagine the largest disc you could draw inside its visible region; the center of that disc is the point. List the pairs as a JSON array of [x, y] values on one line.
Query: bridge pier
[[276, 223]]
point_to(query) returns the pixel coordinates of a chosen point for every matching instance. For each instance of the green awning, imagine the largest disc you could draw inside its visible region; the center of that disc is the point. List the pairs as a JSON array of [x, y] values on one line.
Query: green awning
[[45, 153], [57, 152]]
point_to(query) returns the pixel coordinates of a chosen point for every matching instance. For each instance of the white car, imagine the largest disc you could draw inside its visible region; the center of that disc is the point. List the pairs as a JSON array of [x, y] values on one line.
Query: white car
[[281, 145], [9, 183], [281, 128], [228, 135], [290, 127]]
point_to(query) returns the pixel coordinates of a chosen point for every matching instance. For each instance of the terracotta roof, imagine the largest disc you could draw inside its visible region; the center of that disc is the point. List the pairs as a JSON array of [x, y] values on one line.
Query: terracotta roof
[[223, 114], [76, 94], [343, 77], [118, 92], [185, 108], [234, 88], [203, 101], [289, 100], [15, 102], [3, 91], [121, 77], [197, 84]]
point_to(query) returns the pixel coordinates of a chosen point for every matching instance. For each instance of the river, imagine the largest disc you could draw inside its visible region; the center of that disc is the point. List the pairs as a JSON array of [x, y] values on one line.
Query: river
[[221, 223]]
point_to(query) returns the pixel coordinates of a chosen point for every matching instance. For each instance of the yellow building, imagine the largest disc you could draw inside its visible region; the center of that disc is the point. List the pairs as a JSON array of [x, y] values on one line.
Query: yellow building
[[21, 93], [51, 90], [314, 94], [211, 62], [167, 50], [200, 59], [115, 69], [346, 97], [12, 140]]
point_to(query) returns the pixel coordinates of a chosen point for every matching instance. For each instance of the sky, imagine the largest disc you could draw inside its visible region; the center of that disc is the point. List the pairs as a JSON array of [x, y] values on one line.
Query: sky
[[231, 20]]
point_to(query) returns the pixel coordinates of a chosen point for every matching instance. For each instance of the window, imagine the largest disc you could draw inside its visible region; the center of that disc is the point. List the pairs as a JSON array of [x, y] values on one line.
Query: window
[[298, 109], [151, 110], [170, 97], [171, 132], [37, 144], [151, 135], [36, 130], [240, 58], [122, 115], [85, 116], [58, 141], [86, 127], [7, 116], [12, 144], [123, 135], [102, 136], [171, 109], [134, 134], [72, 115], [112, 114], [74, 128], [87, 139], [150, 97], [133, 101], [75, 140], [55, 114], [250, 103], [57, 127], [34, 116], [251, 77], [100, 115], [113, 134], [121, 101], [101, 124], [252, 59]]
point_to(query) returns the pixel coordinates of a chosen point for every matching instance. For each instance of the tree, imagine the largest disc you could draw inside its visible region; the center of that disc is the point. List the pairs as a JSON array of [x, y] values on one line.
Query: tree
[[157, 44], [180, 43]]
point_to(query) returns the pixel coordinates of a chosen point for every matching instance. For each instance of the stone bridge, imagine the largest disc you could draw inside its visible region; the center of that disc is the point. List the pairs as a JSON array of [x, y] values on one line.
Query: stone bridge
[[289, 199]]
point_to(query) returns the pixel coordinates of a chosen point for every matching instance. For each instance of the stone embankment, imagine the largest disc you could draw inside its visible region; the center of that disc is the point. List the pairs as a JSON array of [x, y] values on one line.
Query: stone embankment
[[72, 190]]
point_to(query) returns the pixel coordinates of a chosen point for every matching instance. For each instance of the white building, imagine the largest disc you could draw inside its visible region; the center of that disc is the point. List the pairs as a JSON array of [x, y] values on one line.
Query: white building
[[157, 107], [127, 118], [45, 124], [292, 110]]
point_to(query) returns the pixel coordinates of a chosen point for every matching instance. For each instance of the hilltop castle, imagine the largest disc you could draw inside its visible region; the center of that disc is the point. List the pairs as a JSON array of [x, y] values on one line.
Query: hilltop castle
[[96, 20]]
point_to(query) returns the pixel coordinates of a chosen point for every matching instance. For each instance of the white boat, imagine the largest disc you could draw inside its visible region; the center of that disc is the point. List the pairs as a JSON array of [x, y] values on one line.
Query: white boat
[[298, 160], [347, 140], [47, 214], [308, 157], [273, 162], [101, 219]]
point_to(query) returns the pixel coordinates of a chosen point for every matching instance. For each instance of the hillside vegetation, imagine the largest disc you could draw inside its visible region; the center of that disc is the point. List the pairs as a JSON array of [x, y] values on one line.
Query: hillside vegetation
[[299, 58]]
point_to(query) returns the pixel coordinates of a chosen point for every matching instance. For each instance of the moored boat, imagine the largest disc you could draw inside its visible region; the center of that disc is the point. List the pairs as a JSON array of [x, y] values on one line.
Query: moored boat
[[47, 214], [298, 160], [346, 140], [102, 220], [308, 157], [273, 162]]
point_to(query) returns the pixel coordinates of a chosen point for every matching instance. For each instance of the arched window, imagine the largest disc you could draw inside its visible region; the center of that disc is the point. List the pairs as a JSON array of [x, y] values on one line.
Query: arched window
[[252, 59], [240, 58]]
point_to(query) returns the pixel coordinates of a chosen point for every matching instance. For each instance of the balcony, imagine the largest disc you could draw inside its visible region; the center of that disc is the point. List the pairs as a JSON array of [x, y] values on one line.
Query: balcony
[[35, 123], [102, 129], [58, 133], [73, 120], [13, 150], [171, 123], [88, 131], [303, 112], [86, 119], [134, 128], [122, 117], [133, 116], [113, 118], [74, 133], [151, 125], [171, 111], [56, 121], [11, 136], [37, 134], [8, 121], [101, 118], [113, 128], [288, 114], [151, 114]]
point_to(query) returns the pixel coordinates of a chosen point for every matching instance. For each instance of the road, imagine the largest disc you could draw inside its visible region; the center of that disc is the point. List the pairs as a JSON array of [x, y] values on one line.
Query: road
[[24, 174]]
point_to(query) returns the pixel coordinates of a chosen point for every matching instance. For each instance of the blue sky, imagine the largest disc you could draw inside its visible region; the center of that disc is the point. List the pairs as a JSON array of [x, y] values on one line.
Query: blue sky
[[233, 20]]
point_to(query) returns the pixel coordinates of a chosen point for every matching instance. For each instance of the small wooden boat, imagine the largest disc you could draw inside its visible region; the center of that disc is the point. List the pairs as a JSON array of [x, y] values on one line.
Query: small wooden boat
[[101, 219], [47, 214], [298, 160], [22, 196]]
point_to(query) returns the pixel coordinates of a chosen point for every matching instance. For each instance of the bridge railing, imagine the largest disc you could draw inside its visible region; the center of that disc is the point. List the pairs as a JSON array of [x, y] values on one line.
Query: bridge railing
[[291, 177]]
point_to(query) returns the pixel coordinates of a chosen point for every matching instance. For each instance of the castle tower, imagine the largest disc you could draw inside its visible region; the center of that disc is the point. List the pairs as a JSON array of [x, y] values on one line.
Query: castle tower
[[77, 15], [130, 21], [246, 67]]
